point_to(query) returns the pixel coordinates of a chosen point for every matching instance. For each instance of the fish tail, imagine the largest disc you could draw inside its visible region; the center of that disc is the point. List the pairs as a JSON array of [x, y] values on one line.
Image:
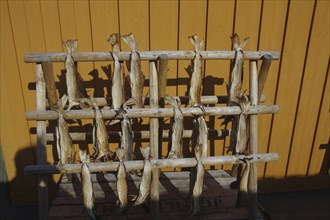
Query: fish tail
[[145, 151], [113, 39], [129, 39], [141, 199], [172, 101], [195, 42], [71, 46], [236, 42]]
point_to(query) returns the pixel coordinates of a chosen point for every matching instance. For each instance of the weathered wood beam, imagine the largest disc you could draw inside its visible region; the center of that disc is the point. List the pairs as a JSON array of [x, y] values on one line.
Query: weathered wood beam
[[151, 113], [146, 55], [158, 163], [138, 135], [41, 144]]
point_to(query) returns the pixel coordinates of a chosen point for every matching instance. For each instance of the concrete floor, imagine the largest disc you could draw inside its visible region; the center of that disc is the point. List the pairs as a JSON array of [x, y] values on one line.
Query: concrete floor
[[309, 205]]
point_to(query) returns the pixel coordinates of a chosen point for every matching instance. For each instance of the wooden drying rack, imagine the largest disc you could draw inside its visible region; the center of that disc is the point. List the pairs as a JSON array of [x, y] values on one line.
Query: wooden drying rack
[[44, 66]]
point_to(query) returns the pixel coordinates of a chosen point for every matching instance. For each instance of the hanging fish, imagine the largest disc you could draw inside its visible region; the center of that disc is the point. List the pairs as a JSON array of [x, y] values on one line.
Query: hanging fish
[[243, 130], [196, 77], [121, 180], [88, 194], [177, 128], [236, 76], [135, 74], [75, 89], [100, 136], [199, 180], [144, 189], [242, 196], [63, 138], [126, 138], [117, 89]]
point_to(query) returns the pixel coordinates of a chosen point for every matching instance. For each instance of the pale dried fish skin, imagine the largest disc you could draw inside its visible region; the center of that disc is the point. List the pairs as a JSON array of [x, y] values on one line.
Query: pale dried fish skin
[[121, 180], [196, 77], [198, 186], [64, 141], [74, 82], [236, 76], [88, 193], [117, 89], [176, 129], [126, 139], [144, 189], [135, 74], [100, 136]]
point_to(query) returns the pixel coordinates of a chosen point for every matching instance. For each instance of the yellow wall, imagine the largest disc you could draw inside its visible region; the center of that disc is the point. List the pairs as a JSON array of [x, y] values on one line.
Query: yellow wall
[[298, 83]]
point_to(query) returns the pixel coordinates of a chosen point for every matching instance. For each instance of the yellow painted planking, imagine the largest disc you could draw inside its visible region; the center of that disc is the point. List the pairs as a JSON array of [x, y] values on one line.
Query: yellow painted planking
[[247, 20], [219, 29], [14, 128], [84, 35], [134, 17], [163, 36], [192, 21], [104, 21], [164, 33], [271, 39], [52, 31], [293, 57], [310, 96], [67, 20], [320, 152]]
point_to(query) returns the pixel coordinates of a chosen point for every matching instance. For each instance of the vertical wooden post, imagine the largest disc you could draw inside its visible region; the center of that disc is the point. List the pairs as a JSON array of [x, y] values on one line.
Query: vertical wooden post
[[266, 61], [41, 143], [154, 126], [252, 184], [162, 81]]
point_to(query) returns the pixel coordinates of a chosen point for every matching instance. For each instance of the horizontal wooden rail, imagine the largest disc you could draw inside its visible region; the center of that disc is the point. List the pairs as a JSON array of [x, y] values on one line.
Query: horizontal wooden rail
[[156, 163], [147, 55], [152, 113], [138, 135], [206, 100]]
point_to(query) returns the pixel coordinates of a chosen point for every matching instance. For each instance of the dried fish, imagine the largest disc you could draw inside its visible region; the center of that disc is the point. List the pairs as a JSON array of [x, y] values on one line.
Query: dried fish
[[236, 76], [74, 82], [144, 189], [126, 138], [242, 196], [117, 89], [135, 74], [177, 128], [243, 131], [88, 194], [63, 138], [121, 180], [200, 134], [196, 78], [100, 136], [199, 181]]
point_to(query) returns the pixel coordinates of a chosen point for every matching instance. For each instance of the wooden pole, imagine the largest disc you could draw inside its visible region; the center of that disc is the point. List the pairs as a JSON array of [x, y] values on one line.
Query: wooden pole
[[146, 55], [162, 82], [41, 144], [151, 112], [154, 126], [252, 183], [138, 135], [266, 61], [158, 163]]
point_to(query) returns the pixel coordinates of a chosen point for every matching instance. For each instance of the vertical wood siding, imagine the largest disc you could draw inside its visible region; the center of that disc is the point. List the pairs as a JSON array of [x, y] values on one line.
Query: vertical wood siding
[[298, 83]]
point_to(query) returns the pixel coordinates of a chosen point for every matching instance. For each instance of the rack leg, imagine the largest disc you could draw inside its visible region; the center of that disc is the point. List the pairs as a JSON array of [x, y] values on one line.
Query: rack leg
[[41, 144], [154, 127], [252, 184]]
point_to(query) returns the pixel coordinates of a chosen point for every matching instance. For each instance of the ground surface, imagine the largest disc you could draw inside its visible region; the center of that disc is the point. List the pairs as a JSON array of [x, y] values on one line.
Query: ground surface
[[311, 205]]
